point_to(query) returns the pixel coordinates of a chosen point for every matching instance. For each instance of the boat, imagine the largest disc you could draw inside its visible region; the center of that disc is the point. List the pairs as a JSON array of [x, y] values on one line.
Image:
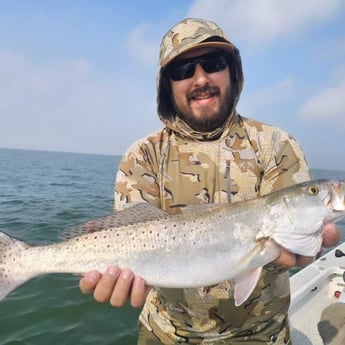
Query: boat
[[315, 289]]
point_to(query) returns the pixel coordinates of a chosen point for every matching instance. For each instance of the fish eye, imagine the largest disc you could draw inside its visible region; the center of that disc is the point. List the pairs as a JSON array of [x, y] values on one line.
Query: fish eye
[[314, 190]]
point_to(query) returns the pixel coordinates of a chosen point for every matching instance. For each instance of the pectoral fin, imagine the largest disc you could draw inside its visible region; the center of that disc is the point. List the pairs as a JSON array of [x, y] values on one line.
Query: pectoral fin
[[245, 284], [264, 252]]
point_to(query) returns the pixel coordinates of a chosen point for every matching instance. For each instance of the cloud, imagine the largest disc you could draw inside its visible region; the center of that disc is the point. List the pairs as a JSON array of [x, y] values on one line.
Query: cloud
[[265, 101], [11, 64], [141, 45], [267, 20], [328, 105], [42, 91], [64, 105]]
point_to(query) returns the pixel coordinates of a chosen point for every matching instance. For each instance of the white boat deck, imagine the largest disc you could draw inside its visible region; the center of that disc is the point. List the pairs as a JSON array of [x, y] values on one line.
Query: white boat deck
[[312, 289]]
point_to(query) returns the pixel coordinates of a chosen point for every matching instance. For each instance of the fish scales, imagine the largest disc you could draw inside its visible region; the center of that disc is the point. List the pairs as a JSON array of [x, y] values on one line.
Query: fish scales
[[152, 249], [202, 246]]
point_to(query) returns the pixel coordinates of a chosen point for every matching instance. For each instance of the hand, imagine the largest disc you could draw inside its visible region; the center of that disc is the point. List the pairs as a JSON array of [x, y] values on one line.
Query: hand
[[330, 238], [115, 286]]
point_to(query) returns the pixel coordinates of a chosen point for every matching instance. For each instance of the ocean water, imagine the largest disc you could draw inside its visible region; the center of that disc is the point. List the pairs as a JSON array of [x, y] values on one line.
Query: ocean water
[[42, 193]]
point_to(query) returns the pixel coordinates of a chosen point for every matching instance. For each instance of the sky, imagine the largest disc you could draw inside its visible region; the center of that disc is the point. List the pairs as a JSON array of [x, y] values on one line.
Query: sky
[[80, 75]]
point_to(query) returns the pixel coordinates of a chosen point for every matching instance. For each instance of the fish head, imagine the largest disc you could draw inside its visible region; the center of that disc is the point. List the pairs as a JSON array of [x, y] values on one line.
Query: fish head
[[304, 209], [316, 201]]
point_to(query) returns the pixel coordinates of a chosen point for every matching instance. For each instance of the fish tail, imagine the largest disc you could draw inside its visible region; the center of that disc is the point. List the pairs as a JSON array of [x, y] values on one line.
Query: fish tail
[[12, 273]]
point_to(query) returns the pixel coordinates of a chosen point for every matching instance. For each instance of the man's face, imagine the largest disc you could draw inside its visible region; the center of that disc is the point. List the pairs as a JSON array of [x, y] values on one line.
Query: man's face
[[202, 99]]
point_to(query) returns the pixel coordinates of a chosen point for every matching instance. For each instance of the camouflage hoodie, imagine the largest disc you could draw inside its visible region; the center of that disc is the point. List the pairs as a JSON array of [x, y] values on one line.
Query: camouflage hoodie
[[175, 166]]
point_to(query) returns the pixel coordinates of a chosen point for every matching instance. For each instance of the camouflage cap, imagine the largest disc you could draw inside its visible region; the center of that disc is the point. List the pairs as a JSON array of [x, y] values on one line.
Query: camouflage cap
[[189, 34]]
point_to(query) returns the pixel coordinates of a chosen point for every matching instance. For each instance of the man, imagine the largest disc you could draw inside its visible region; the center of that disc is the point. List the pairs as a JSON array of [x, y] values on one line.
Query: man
[[206, 153]]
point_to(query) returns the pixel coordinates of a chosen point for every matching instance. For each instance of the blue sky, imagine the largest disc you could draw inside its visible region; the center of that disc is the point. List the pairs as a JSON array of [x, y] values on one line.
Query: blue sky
[[80, 75]]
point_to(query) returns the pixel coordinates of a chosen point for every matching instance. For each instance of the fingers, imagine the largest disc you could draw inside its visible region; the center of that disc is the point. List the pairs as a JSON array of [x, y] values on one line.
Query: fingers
[[139, 292], [121, 290], [302, 261], [115, 286], [286, 259], [290, 260], [89, 281], [105, 287], [331, 235]]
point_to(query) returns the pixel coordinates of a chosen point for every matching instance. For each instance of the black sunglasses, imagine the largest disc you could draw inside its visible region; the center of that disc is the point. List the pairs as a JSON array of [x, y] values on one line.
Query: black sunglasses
[[185, 68]]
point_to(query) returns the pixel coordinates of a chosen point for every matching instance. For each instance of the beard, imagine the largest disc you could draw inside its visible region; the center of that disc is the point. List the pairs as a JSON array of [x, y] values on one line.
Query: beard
[[208, 119]]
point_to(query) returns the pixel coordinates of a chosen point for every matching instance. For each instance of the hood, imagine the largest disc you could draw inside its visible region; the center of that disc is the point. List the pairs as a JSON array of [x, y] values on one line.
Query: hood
[[189, 34]]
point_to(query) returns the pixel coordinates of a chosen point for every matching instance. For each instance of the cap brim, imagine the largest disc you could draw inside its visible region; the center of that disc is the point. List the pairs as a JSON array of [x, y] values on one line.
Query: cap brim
[[221, 45]]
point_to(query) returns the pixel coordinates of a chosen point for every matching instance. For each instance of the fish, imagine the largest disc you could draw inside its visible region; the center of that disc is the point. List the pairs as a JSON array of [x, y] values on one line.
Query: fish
[[202, 246]]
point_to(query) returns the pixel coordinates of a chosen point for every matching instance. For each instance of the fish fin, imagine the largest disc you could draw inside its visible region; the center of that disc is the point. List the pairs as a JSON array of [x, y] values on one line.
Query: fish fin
[[130, 214], [264, 252], [202, 207], [244, 285], [11, 274]]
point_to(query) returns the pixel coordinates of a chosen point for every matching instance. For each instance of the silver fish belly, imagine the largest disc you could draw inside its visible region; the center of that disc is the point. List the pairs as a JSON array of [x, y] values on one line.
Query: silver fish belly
[[204, 245]]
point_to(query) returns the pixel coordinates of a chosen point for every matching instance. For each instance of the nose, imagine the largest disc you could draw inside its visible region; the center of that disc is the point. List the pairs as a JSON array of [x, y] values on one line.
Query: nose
[[200, 76]]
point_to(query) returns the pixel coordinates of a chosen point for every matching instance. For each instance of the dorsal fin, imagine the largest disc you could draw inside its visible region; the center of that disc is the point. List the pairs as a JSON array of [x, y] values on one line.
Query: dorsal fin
[[131, 213], [202, 207]]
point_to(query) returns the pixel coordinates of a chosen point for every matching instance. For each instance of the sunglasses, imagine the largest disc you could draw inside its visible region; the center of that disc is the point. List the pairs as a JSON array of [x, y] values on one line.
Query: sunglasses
[[185, 68]]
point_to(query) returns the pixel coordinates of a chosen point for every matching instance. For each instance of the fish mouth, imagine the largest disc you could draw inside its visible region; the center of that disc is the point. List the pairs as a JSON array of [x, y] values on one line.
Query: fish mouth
[[335, 198], [336, 215]]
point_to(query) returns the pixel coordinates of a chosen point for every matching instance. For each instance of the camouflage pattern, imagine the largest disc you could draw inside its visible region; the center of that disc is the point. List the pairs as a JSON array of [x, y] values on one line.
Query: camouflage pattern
[[186, 35], [252, 159], [175, 166]]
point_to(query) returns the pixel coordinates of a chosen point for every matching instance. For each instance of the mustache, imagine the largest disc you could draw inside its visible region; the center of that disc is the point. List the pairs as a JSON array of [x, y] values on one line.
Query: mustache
[[203, 91]]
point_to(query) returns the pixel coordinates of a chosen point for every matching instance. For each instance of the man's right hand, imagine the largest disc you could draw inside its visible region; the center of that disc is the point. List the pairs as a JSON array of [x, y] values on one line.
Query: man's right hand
[[115, 286]]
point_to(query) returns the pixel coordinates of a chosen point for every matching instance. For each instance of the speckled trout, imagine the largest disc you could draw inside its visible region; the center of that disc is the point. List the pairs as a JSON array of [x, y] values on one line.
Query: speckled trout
[[204, 245]]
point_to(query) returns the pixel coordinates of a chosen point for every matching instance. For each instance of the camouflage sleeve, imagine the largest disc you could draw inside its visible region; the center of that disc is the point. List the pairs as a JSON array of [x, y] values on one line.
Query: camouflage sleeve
[[137, 177], [284, 163]]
